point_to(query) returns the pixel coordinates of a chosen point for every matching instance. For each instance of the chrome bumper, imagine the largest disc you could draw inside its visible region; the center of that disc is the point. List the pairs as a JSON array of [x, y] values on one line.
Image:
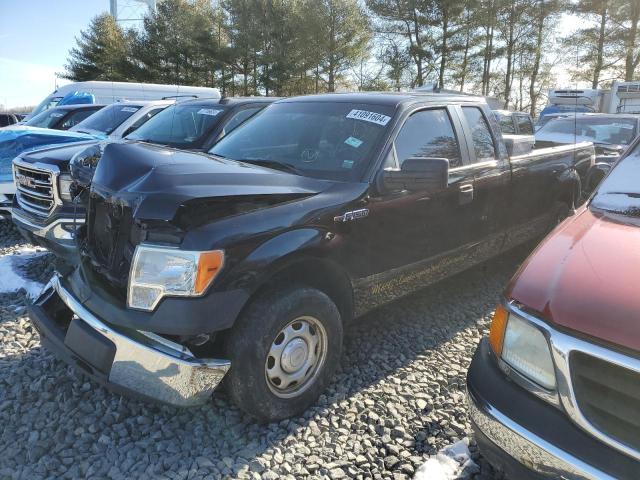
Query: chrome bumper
[[148, 364], [528, 448], [52, 231]]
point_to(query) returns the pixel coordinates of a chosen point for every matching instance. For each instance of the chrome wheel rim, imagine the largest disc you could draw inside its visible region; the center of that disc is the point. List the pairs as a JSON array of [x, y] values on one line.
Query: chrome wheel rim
[[296, 356]]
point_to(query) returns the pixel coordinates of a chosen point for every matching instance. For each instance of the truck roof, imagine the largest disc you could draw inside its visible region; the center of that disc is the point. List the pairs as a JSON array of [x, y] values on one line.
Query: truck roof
[[387, 98], [228, 100]]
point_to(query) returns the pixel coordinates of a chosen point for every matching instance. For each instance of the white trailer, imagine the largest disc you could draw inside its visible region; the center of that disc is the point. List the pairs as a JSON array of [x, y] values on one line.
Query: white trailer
[[111, 92], [625, 98]]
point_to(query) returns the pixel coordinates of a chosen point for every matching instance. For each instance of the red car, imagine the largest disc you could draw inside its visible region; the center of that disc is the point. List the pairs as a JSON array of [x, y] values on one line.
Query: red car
[[554, 390]]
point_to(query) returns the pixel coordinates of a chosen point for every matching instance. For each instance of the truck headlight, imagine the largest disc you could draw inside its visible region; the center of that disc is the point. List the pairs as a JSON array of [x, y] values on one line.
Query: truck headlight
[[64, 187], [157, 272], [523, 347]]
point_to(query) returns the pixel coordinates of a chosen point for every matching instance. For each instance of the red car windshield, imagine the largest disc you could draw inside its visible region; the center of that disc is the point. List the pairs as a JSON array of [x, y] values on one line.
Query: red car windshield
[[619, 192]]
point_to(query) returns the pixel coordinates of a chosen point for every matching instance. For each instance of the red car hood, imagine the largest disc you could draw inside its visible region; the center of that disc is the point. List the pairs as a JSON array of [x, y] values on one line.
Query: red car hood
[[585, 277]]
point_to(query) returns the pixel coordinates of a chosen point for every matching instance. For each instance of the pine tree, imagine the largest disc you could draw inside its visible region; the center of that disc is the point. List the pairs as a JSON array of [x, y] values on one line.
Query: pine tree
[[101, 53]]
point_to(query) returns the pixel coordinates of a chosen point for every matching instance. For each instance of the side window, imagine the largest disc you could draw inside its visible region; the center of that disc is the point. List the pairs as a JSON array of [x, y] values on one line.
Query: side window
[[239, 118], [76, 117], [480, 133], [525, 127], [428, 133], [506, 124], [4, 120], [143, 119]]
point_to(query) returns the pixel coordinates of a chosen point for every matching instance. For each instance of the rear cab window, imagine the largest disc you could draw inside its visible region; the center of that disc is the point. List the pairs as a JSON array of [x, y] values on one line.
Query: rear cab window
[[481, 136]]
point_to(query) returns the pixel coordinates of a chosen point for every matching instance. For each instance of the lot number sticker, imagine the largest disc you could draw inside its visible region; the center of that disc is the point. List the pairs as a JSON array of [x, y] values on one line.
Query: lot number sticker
[[129, 109], [367, 116], [209, 111]]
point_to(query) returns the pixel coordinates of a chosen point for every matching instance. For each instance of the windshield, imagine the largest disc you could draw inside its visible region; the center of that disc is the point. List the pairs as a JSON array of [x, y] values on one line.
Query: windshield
[[108, 119], [180, 126], [607, 130], [47, 103], [46, 119], [619, 192], [317, 139]]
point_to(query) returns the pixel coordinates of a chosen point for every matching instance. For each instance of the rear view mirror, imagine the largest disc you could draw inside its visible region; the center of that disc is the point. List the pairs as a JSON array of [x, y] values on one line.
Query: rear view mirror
[[424, 174]]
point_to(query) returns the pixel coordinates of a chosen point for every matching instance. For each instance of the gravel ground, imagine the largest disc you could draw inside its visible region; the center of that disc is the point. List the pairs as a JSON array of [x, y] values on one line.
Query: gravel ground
[[398, 399]]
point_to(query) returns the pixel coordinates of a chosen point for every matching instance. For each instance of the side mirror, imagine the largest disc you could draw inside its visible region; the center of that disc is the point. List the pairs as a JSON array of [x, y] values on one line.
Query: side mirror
[[423, 174], [519, 144]]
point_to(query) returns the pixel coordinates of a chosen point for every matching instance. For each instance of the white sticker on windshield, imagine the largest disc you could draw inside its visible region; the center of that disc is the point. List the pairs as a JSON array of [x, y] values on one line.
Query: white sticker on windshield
[[56, 115], [209, 111], [367, 116], [353, 142], [129, 109], [622, 125]]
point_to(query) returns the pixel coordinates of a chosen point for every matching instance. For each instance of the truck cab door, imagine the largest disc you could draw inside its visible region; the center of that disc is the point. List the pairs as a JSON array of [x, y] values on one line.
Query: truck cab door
[[405, 230], [489, 167]]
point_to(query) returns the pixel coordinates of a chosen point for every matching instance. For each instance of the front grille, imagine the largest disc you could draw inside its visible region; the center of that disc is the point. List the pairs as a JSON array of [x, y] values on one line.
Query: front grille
[[608, 396], [35, 189], [108, 242]]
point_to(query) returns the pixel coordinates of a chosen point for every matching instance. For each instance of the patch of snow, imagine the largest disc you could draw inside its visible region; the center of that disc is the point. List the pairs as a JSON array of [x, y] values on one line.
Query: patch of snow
[[11, 279], [447, 464]]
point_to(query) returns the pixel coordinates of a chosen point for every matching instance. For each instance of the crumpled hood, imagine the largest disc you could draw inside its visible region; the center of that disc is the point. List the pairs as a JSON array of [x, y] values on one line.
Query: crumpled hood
[[22, 138], [155, 181], [584, 277], [58, 155]]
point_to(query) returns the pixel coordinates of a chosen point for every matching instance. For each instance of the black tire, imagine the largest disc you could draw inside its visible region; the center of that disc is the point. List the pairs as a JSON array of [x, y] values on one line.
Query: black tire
[[250, 341]]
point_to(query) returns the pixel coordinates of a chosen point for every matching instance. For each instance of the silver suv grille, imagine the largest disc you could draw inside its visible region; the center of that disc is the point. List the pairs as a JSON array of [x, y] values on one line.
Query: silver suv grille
[[35, 189]]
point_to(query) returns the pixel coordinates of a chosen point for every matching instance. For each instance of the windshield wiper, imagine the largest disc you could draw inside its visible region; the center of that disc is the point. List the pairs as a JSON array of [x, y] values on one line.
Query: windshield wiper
[[274, 164]]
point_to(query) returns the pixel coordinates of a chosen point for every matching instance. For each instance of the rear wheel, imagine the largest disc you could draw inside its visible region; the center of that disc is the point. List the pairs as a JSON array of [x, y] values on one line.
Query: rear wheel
[[284, 350]]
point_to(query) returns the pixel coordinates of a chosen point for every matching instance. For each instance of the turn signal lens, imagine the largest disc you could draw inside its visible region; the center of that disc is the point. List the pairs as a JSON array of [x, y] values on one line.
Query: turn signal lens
[[498, 326], [208, 266]]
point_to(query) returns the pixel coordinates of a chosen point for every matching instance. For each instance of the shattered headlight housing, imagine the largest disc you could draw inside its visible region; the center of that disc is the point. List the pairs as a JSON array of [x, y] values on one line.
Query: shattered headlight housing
[[158, 272], [83, 163]]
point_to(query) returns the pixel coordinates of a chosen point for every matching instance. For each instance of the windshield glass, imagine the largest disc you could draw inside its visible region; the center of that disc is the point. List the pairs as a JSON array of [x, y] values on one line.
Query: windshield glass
[[180, 126], [619, 192], [607, 130], [317, 139], [47, 103], [107, 119], [46, 119]]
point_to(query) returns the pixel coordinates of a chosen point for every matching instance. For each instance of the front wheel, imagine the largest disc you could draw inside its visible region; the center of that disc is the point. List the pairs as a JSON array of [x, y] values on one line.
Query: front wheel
[[283, 351]]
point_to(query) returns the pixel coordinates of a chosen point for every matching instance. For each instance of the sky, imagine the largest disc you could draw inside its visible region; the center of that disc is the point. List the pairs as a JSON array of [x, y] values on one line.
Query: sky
[[35, 38]]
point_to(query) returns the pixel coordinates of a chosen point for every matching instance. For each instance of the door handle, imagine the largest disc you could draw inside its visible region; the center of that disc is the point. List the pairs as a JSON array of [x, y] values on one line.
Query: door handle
[[466, 194]]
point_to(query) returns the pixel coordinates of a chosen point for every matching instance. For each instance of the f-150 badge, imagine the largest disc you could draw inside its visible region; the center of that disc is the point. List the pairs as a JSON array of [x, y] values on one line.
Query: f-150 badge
[[353, 215]]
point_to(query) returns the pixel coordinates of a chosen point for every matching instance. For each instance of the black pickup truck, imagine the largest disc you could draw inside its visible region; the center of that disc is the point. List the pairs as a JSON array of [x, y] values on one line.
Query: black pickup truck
[[43, 209], [246, 263]]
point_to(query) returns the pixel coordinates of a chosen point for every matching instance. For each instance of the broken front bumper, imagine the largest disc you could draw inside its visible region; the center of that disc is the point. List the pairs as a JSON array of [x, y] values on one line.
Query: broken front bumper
[[127, 361]]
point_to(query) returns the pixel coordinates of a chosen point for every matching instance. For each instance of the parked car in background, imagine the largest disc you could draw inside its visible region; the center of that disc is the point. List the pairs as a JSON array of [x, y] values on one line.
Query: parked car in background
[[111, 122], [190, 124], [7, 119], [62, 118], [611, 134], [514, 123], [554, 390], [195, 267], [111, 92]]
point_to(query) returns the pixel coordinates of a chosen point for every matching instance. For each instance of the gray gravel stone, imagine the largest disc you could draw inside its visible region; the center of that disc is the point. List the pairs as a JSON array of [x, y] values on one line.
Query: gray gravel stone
[[399, 397]]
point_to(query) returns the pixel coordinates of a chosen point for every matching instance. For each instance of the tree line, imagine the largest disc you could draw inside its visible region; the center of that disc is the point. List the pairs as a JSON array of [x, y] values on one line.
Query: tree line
[[501, 48]]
